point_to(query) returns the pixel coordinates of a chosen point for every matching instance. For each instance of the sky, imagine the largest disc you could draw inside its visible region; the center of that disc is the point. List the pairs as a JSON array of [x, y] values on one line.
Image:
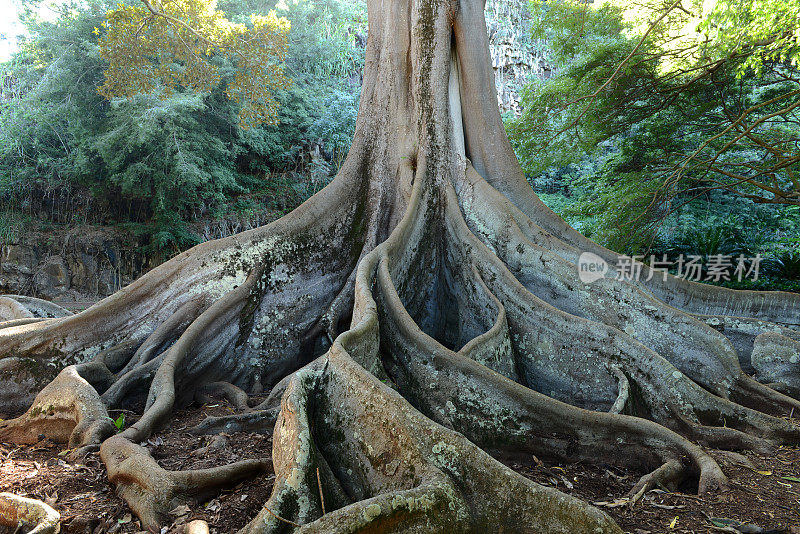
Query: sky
[[9, 27]]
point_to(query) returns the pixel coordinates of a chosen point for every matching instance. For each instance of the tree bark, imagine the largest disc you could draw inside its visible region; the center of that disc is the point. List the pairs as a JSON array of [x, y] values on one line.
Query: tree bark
[[421, 312]]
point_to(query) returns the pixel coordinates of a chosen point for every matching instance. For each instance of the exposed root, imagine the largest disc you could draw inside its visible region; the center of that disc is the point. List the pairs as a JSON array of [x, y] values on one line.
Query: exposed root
[[40, 308], [503, 416], [602, 329], [666, 477], [20, 322], [624, 391], [256, 421], [210, 327], [167, 332], [776, 359], [34, 516], [214, 444], [151, 491], [197, 527], [385, 468], [68, 410], [233, 394], [11, 310], [463, 298]]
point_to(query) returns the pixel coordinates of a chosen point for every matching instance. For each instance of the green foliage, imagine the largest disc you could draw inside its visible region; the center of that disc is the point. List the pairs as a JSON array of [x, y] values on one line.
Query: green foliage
[[336, 126], [44, 134], [320, 107], [156, 161], [661, 118], [764, 32], [119, 422], [153, 45], [167, 152]]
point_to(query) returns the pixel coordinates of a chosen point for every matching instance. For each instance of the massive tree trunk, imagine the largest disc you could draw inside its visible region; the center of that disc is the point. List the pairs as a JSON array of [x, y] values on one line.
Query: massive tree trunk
[[421, 312]]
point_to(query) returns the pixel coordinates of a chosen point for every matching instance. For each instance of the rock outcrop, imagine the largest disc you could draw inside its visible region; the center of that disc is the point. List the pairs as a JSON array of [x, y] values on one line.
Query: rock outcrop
[[83, 262]]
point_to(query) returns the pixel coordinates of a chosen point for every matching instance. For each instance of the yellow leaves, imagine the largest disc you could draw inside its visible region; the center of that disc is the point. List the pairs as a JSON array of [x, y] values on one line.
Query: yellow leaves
[[169, 44], [96, 31]]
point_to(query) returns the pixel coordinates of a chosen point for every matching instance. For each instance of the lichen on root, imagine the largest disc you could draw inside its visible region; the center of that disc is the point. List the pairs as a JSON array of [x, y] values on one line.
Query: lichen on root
[[420, 315], [31, 515]]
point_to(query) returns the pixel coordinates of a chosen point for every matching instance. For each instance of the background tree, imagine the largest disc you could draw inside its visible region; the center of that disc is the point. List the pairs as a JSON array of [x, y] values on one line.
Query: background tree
[[68, 157], [674, 103], [423, 308], [167, 45]]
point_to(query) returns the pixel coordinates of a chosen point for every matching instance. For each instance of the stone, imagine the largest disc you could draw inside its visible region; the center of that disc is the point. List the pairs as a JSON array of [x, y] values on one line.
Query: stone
[[52, 278]]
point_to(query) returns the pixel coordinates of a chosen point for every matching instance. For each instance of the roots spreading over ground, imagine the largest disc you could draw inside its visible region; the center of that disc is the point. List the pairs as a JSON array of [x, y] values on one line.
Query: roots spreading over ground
[[421, 313]]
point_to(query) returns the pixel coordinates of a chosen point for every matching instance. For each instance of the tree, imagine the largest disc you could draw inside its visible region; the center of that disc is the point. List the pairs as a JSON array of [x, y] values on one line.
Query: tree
[[426, 284], [690, 101], [172, 44], [152, 161]]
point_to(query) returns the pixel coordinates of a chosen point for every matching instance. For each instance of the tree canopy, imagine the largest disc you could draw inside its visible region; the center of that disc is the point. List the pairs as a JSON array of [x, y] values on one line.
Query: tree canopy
[[171, 149], [675, 99], [173, 43]]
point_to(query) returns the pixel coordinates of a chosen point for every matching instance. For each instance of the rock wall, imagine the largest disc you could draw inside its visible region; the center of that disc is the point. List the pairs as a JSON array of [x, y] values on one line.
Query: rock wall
[[85, 263], [516, 57]]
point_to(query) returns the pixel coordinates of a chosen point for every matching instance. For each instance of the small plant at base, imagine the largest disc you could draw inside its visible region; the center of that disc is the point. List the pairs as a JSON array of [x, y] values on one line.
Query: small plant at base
[[119, 422]]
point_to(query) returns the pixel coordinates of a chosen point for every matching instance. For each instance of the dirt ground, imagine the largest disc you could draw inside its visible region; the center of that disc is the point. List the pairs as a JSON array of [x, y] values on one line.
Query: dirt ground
[[764, 496], [81, 493]]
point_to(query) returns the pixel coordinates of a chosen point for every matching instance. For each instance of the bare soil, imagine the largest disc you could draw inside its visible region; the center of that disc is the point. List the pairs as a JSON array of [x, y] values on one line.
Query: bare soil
[[762, 498], [81, 493]]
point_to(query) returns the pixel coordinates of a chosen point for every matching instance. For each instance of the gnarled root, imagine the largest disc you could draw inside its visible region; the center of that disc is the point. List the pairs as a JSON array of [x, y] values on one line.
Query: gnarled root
[[466, 302], [776, 359], [666, 477], [11, 310], [197, 527], [68, 410], [151, 491], [39, 308], [500, 415], [235, 395], [257, 421], [385, 468], [33, 515]]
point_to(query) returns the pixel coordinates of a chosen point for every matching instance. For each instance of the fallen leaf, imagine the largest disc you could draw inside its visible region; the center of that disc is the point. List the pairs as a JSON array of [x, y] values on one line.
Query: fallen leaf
[[791, 479], [723, 522], [765, 473], [673, 523], [616, 503], [668, 506], [126, 519]]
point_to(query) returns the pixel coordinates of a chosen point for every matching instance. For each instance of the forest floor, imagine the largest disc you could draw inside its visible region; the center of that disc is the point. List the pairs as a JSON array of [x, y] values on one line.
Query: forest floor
[[764, 493]]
